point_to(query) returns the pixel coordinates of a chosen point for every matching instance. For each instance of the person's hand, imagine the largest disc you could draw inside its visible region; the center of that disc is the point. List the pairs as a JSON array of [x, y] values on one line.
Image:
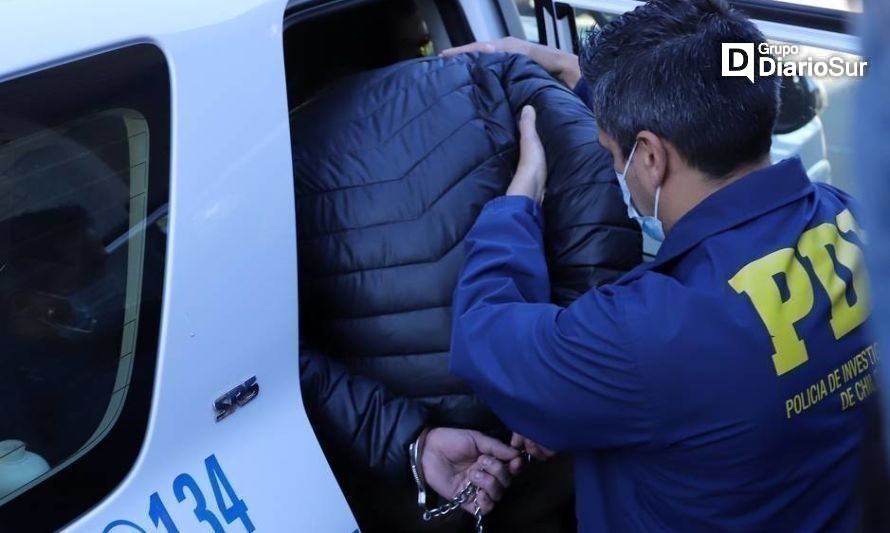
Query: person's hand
[[561, 65], [451, 457], [533, 448], [531, 173]]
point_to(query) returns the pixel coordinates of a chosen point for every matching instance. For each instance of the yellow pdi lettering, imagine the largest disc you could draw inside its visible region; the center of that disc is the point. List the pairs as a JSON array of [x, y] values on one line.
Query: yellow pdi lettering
[[756, 280], [814, 245]]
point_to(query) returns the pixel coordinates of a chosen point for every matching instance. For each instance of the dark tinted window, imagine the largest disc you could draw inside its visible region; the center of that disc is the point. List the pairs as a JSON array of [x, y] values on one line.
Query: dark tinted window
[[83, 222]]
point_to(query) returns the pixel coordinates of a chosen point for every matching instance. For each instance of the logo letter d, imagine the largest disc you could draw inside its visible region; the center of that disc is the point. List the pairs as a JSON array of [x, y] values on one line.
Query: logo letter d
[[737, 60]]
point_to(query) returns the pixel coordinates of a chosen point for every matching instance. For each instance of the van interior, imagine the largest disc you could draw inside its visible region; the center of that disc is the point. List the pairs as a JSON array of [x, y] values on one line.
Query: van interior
[[364, 35]]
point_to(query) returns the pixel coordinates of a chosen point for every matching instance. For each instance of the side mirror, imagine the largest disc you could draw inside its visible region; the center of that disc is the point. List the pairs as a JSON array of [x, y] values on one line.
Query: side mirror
[[802, 99]]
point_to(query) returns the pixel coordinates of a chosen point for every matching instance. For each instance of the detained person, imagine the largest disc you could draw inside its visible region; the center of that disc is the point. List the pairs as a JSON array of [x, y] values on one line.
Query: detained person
[[722, 385]]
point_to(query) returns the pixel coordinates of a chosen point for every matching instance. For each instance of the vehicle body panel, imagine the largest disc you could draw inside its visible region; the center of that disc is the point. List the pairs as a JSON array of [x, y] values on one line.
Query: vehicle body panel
[[230, 309]]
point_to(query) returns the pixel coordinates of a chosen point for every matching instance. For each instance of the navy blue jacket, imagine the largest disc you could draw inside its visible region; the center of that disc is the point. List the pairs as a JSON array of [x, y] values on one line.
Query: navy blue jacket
[[719, 387]]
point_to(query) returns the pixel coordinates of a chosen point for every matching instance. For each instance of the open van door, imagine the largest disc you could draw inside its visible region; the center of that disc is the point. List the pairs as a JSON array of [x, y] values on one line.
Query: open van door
[[148, 294]]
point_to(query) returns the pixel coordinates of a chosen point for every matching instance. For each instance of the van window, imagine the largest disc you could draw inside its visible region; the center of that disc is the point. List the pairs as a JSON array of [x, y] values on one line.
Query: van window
[[83, 208], [585, 19], [841, 5], [368, 35]]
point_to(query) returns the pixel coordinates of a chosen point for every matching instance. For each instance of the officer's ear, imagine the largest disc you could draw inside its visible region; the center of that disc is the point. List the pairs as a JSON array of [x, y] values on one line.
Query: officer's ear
[[651, 159]]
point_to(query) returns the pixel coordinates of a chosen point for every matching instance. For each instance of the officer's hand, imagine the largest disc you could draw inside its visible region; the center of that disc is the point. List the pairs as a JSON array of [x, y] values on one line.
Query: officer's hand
[[531, 173], [561, 65], [450, 457], [533, 448]]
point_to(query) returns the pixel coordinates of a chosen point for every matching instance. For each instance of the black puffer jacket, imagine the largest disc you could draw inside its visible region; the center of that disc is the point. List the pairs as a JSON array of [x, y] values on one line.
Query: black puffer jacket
[[391, 168]]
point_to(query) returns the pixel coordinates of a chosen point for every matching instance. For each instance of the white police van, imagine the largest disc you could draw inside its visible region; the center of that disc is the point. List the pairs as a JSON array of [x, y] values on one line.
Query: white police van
[[148, 296]]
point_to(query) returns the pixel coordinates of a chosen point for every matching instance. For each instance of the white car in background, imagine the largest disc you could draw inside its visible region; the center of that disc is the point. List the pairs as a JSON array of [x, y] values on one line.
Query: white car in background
[[148, 293]]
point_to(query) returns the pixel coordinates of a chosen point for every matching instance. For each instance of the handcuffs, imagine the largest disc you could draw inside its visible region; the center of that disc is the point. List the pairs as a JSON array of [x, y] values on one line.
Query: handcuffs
[[415, 451]]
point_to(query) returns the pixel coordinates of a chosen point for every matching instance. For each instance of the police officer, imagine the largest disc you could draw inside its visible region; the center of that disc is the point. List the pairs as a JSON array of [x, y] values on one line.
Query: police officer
[[720, 386]]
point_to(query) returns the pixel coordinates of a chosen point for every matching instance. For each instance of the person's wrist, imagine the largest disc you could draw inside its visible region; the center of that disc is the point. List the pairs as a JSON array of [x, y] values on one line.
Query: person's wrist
[[569, 70], [424, 457], [521, 46], [528, 188]]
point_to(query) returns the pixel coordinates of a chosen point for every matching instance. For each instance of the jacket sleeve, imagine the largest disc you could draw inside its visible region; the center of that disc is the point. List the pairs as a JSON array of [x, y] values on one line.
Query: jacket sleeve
[[360, 425], [564, 377], [589, 239], [582, 91]]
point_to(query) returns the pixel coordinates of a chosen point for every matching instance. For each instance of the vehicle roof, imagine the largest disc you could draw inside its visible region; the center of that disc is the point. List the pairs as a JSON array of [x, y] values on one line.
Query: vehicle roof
[[34, 33]]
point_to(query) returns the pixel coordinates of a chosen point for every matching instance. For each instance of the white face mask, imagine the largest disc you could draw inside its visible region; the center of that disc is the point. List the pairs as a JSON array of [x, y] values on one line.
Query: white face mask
[[650, 224]]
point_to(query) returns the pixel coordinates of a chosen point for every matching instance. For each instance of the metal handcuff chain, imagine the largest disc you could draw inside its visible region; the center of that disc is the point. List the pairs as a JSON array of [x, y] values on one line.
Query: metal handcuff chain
[[463, 496]]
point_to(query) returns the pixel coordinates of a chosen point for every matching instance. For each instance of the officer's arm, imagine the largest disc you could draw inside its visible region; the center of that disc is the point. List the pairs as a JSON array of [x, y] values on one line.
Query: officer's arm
[[564, 377]]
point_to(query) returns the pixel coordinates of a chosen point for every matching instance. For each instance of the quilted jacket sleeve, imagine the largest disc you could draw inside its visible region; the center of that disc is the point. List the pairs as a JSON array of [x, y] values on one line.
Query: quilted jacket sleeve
[[589, 240], [359, 423]]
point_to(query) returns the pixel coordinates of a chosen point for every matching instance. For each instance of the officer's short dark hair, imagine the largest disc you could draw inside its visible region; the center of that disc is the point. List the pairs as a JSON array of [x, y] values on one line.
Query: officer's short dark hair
[[658, 68]]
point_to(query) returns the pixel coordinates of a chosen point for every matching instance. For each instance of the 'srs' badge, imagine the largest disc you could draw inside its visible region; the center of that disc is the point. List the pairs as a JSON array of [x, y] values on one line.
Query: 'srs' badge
[[229, 402]]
